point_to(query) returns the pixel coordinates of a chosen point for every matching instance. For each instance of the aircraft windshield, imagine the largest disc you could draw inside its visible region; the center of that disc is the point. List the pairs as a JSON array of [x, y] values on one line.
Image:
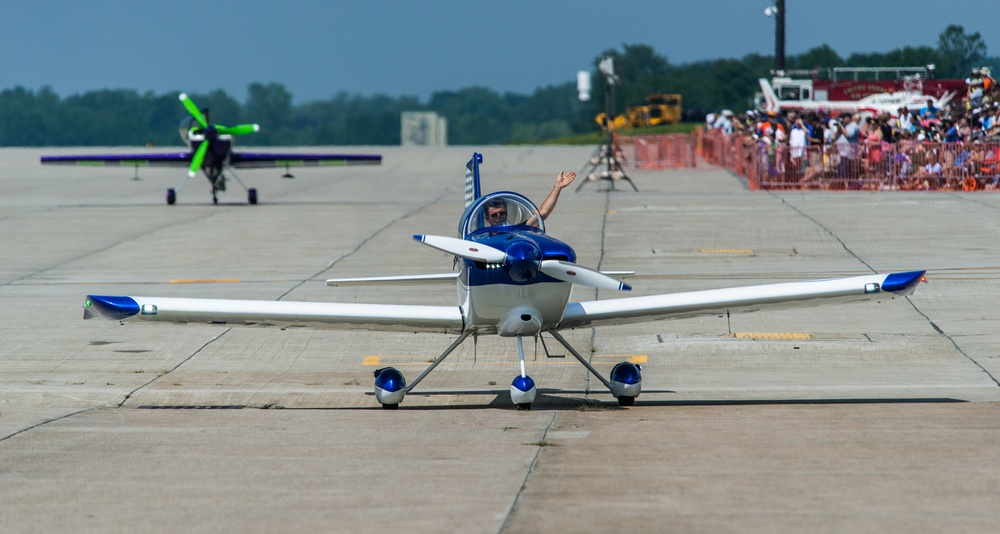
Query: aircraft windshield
[[183, 128], [501, 209]]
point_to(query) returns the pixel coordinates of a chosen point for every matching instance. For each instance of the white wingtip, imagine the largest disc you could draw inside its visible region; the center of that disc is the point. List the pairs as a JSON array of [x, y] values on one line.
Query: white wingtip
[[191, 174], [183, 97], [256, 127]]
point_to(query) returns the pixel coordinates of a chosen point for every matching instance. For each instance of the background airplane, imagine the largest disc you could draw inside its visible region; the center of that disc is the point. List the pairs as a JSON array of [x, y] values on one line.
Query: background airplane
[[211, 151], [514, 281], [870, 105]]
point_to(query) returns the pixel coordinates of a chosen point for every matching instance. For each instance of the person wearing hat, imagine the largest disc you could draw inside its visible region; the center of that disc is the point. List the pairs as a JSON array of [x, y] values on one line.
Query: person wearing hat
[[776, 125], [975, 92], [724, 122], [798, 138], [989, 84]]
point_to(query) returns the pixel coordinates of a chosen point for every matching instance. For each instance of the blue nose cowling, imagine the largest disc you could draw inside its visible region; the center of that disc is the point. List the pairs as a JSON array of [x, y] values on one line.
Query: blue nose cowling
[[523, 259]]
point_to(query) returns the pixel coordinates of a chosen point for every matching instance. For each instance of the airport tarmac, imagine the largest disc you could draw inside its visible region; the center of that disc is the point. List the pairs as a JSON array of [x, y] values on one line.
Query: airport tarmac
[[875, 417]]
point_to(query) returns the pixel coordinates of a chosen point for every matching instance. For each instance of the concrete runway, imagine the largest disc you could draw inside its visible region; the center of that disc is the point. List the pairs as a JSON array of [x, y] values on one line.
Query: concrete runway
[[878, 417]]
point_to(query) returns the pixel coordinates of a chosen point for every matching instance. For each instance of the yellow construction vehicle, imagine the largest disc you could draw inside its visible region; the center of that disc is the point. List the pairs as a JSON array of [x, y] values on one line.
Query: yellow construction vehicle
[[659, 109]]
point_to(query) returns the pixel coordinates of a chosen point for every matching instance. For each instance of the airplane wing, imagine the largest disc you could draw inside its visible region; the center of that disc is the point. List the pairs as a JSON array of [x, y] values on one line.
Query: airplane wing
[[428, 279], [349, 316], [451, 320], [398, 280], [171, 159], [256, 160], [739, 299], [237, 160]]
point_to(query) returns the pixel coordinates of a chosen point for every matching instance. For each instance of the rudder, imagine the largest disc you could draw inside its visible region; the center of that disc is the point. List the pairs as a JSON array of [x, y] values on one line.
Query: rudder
[[472, 190]]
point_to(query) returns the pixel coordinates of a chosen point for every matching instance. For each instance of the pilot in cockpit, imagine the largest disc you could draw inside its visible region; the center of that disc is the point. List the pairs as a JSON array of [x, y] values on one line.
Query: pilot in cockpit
[[497, 211]]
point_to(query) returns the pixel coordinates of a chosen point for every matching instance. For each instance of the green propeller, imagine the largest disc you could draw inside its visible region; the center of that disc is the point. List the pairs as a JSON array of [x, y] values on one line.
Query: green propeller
[[193, 110], [199, 157], [211, 131]]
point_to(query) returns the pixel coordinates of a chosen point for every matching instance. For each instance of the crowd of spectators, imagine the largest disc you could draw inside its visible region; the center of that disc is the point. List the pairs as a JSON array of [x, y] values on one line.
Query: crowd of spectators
[[955, 147]]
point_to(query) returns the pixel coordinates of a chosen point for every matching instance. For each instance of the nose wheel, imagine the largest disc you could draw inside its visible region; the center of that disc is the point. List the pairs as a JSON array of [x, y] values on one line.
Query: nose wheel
[[522, 389]]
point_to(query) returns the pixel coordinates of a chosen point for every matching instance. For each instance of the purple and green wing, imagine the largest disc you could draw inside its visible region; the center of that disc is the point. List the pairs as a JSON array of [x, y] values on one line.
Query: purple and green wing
[[171, 159], [250, 160], [258, 160]]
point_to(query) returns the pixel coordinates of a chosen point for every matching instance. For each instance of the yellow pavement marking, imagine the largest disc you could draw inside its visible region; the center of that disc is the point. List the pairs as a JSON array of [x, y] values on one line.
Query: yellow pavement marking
[[205, 281], [726, 250], [772, 335]]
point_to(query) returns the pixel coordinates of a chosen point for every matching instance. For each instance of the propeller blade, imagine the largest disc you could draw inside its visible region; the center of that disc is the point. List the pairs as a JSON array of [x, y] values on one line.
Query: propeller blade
[[571, 272], [193, 110], [469, 250], [241, 129], [198, 159]]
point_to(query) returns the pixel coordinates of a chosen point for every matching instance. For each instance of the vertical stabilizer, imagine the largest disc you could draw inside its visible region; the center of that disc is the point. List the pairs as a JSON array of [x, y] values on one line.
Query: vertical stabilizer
[[472, 190]]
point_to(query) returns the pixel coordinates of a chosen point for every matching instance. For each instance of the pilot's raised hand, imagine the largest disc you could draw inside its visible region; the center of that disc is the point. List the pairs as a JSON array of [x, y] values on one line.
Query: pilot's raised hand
[[564, 179]]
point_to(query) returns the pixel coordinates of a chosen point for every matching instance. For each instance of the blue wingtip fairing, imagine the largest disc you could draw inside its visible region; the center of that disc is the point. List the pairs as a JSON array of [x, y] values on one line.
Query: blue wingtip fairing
[[902, 283], [114, 308]]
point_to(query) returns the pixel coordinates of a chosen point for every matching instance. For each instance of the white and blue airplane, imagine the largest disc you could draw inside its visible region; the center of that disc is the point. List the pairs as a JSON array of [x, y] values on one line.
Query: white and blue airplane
[[514, 281]]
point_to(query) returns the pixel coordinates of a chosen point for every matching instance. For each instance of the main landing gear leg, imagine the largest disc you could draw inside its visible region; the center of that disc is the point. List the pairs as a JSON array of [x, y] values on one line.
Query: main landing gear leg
[[626, 377], [439, 359], [251, 192], [172, 192], [390, 386]]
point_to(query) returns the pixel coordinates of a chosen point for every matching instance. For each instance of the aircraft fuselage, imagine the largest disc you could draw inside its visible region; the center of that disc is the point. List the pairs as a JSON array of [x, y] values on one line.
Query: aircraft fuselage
[[515, 298]]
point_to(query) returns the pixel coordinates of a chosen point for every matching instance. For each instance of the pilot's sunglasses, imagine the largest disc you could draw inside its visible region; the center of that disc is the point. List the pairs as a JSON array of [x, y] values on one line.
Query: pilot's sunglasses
[[498, 214]]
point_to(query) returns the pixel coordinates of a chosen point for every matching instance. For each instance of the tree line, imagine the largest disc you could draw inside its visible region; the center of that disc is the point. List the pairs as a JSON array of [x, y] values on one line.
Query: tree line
[[475, 115]]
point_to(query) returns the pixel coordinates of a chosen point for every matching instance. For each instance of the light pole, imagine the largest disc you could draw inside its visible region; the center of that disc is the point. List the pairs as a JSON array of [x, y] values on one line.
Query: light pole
[[778, 10]]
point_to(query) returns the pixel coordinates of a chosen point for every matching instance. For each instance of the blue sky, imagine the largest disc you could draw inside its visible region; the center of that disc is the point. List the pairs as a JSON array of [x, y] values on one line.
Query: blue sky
[[320, 48]]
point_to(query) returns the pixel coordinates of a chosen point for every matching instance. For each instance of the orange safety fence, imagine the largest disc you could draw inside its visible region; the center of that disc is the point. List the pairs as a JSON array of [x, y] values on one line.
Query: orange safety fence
[[902, 166], [662, 151]]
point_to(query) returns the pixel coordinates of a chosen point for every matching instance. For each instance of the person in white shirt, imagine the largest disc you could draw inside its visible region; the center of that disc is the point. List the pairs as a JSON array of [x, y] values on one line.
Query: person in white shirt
[[847, 136], [903, 122]]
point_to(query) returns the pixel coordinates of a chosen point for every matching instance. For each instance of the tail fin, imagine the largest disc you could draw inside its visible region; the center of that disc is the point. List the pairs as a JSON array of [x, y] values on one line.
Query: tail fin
[[472, 190], [769, 96]]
